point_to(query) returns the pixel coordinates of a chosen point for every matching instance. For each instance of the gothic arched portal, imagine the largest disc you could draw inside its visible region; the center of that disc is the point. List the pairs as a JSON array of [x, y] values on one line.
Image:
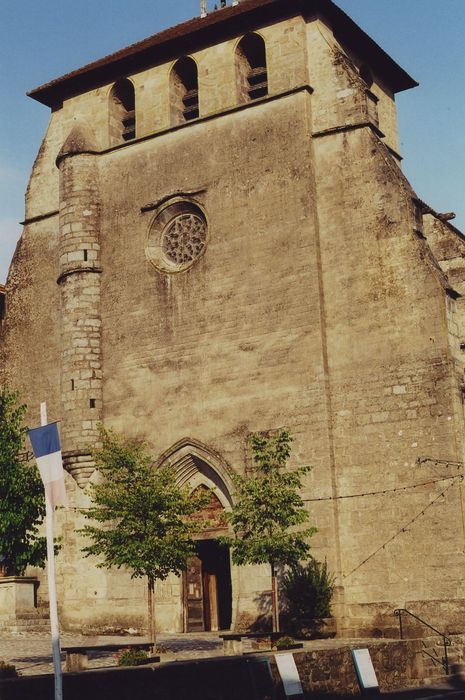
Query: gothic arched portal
[[207, 588]]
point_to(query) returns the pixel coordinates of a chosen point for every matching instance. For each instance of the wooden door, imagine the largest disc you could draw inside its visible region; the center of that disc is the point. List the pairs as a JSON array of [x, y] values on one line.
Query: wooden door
[[210, 606], [193, 596]]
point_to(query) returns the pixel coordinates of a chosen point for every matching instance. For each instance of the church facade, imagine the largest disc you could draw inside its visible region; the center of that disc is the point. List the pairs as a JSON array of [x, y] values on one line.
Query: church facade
[[219, 240]]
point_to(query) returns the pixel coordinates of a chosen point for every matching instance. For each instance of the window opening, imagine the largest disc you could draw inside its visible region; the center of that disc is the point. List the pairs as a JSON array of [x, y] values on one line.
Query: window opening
[[92, 403], [251, 68], [184, 91], [122, 112], [178, 237]]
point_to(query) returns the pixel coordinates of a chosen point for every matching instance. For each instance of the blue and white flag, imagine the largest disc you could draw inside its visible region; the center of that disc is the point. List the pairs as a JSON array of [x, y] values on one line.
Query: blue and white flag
[[47, 451]]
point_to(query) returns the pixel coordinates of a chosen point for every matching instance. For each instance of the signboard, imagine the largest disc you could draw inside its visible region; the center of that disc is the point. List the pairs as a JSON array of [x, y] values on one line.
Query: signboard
[[364, 668], [289, 675]]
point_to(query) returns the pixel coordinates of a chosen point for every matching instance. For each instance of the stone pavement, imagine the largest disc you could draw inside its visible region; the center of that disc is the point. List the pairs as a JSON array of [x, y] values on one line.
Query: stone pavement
[[31, 652]]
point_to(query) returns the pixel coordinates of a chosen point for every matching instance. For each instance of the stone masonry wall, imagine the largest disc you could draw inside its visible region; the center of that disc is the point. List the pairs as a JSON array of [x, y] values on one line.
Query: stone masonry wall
[[397, 665], [81, 366], [393, 385], [315, 305]]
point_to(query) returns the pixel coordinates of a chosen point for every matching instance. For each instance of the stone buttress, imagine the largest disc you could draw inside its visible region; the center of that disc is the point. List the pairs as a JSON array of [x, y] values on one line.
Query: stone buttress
[[79, 280]]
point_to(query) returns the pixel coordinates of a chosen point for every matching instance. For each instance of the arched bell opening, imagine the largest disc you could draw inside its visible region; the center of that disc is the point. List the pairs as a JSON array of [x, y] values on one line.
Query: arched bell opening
[[122, 112], [184, 91], [251, 68]]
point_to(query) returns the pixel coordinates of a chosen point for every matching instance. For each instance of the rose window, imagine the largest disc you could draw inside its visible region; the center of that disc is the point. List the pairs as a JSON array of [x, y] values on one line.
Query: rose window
[[184, 238], [178, 236]]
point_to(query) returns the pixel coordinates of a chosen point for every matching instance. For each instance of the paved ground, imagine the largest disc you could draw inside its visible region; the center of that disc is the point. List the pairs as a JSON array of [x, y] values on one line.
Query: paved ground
[[31, 653]]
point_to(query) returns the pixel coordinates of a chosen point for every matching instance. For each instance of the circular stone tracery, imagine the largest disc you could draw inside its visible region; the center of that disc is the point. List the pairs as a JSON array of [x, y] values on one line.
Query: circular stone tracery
[[184, 239], [177, 237]]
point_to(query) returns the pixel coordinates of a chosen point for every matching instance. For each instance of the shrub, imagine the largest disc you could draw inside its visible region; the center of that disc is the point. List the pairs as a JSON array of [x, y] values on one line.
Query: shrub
[[284, 642], [7, 670], [132, 657], [307, 590]]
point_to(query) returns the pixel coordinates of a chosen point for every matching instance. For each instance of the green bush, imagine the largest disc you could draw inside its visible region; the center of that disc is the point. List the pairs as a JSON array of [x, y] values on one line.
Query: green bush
[[7, 670], [284, 642], [132, 657], [307, 591]]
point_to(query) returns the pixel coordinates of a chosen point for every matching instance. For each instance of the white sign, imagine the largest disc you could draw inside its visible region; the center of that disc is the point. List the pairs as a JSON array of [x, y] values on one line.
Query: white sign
[[289, 675], [364, 668]]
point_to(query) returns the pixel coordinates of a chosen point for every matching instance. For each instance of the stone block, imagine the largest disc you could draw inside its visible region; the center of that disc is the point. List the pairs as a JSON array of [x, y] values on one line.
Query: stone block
[[17, 595]]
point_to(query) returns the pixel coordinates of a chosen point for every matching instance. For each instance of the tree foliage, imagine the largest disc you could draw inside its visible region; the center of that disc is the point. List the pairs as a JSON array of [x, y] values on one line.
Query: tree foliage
[[22, 500], [268, 508], [142, 515]]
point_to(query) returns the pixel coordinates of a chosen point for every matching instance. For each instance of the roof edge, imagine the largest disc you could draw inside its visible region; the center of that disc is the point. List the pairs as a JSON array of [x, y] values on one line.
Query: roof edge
[[188, 36]]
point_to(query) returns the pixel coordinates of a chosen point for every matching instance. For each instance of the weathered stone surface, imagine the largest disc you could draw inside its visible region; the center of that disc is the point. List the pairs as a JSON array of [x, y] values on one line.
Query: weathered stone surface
[[320, 302]]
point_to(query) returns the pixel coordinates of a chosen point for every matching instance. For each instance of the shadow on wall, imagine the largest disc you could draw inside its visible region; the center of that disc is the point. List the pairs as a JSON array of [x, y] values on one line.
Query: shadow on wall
[[261, 622]]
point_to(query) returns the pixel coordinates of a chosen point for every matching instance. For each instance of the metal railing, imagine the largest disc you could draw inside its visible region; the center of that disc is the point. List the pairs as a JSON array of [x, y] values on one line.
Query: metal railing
[[445, 640]]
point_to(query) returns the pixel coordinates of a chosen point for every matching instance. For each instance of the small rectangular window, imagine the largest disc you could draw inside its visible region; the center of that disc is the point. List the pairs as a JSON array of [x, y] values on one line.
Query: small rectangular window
[[92, 403]]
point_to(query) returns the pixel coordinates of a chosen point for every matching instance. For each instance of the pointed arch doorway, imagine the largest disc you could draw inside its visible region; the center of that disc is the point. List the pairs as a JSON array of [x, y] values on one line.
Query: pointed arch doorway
[[206, 584], [207, 589]]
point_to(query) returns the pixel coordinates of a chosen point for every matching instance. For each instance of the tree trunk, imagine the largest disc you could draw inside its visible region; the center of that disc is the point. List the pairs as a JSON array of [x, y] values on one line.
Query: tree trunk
[[151, 612], [274, 599]]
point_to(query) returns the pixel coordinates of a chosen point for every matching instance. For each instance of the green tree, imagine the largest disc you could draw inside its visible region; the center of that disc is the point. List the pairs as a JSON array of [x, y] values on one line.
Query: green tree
[[22, 500], [144, 518], [268, 511]]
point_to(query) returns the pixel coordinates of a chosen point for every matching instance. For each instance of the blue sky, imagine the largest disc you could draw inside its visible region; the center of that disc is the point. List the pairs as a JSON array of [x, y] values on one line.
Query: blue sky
[[42, 39]]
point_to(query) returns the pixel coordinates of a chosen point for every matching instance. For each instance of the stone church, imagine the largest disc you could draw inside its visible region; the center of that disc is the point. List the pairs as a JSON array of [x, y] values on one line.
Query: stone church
[[218, 240]]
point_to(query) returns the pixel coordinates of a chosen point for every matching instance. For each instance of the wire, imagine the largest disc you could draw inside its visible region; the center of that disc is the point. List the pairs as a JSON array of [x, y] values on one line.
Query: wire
[[447, 462], [400, 532], [379, 493]]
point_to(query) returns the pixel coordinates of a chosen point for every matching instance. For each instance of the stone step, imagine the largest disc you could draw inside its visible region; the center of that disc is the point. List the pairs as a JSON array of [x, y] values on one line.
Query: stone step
[[436, 680], [32, 616], [36, 624], [22, 617]]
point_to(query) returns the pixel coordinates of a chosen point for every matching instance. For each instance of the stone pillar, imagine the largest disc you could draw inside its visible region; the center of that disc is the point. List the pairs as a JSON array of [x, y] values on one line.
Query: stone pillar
[[17, 595], [79, 280]]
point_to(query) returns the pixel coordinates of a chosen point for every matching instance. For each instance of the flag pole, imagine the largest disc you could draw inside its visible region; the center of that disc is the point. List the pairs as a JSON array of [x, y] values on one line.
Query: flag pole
[[52, 591]]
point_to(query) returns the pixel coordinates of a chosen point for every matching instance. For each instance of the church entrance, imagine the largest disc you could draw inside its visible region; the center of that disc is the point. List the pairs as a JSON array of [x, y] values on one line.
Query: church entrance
[[207, 591], [207, 588]]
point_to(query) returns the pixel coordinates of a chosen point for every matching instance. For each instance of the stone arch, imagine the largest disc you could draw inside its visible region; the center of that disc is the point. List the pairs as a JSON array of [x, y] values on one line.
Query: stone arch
[[197, 465], [122, 108], [184, 91], [251, 68], [207, 584]]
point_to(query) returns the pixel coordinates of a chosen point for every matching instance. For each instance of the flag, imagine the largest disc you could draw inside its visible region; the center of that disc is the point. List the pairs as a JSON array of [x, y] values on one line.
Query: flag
[[47, 451]]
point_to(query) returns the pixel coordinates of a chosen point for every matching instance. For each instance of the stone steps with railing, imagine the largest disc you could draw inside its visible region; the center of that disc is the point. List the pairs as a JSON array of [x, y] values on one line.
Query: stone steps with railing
[[442, 655]]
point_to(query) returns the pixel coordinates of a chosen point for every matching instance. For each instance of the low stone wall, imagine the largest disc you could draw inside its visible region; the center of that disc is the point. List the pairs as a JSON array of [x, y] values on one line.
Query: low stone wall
[[398, 664], [323, 672], [377, 620]]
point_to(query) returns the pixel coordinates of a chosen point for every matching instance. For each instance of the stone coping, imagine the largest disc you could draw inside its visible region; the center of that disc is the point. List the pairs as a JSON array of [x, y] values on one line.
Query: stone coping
[[19, 579]]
